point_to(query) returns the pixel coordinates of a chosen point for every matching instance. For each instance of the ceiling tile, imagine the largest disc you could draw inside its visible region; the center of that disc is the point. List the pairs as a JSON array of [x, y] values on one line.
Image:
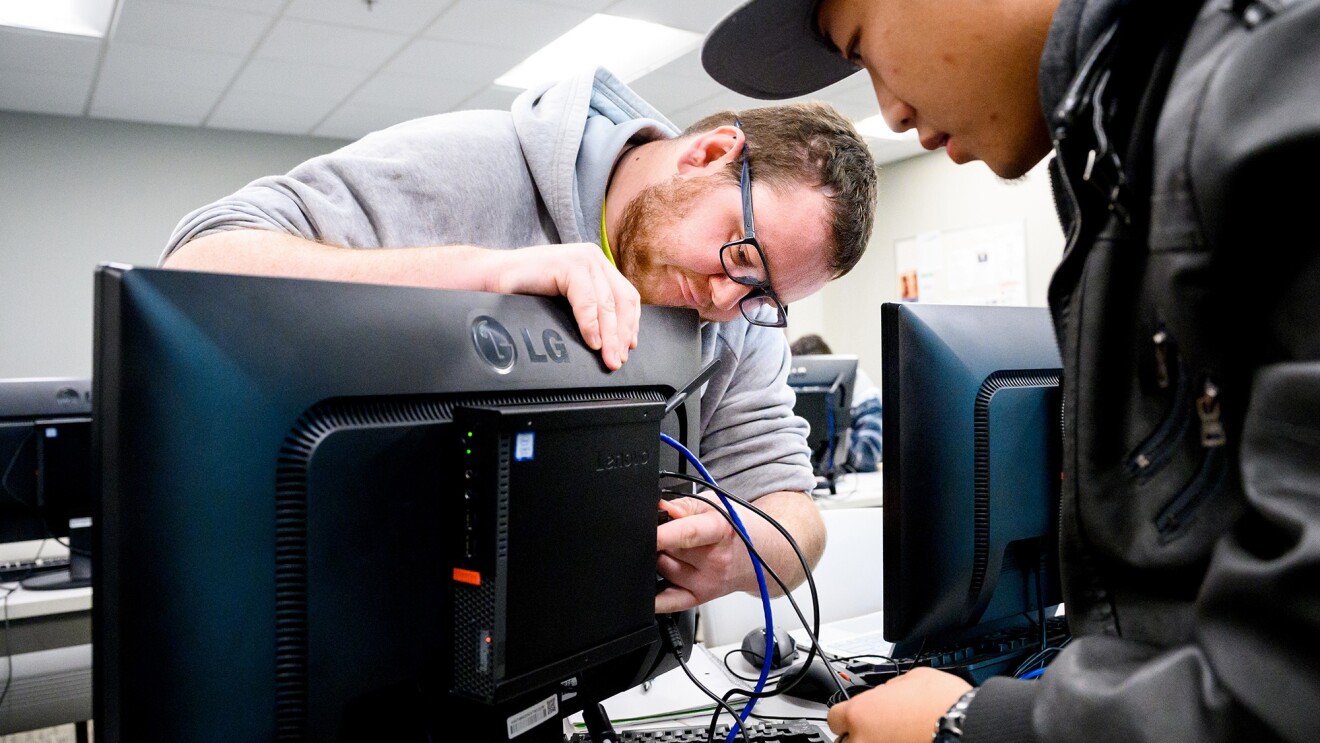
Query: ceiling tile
[[591, 6], [693, 15], [341, 58], [157, 104], [136, 64], [452, 60], [689, 66], [521, 25], [268, 112], [44, 93], [491, 98], [264, 7], [309, 42], [399, 16], [208, 29], [430, 94], [301, 81], [28, 51], [726, 99], [670, 93], [353, 121]]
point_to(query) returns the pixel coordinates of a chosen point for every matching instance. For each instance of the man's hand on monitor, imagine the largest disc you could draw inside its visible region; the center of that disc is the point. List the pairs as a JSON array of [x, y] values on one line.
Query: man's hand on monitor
[[606, 305], [904, 709]]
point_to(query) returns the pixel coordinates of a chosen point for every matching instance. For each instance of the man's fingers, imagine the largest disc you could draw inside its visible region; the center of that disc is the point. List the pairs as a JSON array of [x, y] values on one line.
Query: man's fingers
[[578, 287], [674, 599], [837, 718], [692, 531], [607, 316], [628, 308]]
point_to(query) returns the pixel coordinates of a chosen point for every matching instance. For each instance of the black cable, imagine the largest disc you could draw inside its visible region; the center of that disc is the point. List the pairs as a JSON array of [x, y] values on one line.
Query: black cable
[[811, 629], [755, 660], [787, 594], [673, 638], [675, 641]]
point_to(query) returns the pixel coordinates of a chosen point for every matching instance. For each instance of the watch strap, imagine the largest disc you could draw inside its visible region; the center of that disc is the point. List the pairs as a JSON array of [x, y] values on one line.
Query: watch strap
[[949, 729]]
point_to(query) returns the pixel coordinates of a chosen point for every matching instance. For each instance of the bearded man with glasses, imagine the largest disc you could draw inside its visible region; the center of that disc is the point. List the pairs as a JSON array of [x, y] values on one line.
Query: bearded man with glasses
[[584, 190]]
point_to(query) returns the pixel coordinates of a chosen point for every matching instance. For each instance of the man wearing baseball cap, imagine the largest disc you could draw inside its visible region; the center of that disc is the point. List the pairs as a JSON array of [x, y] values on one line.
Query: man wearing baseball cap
[[1190, 506]]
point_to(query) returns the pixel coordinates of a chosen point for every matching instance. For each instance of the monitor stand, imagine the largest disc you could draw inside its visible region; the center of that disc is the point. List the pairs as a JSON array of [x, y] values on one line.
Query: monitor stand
[[826, 481], [79, 574]]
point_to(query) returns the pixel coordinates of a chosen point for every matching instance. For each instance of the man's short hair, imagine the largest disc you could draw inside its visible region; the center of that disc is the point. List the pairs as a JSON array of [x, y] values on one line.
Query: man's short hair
[[811, 142], [809, 345]]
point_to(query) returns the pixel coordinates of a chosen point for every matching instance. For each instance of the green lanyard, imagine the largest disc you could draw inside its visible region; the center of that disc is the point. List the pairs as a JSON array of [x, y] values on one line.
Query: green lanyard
[[604, 237]]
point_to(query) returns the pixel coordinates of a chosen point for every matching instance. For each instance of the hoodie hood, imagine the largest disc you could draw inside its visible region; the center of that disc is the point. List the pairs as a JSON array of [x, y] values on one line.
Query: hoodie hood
[[571, 132], [1076, 26]]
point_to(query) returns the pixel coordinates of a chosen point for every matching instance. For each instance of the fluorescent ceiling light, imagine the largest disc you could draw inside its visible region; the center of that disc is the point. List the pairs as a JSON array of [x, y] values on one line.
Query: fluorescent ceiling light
[[74, 17], [876, 128], [627, 47]]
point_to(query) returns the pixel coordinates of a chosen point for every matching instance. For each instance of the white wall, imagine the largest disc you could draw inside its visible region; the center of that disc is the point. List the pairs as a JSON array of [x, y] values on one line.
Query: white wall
[[77, 192], [924, 194]]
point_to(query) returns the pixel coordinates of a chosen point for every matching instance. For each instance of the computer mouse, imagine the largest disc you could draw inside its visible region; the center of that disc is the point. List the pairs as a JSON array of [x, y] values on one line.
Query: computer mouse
[[817, 682], [785, 650]]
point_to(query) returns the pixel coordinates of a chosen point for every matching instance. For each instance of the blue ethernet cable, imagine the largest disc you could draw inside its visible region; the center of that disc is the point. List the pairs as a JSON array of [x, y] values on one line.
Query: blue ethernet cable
[[767, 656]]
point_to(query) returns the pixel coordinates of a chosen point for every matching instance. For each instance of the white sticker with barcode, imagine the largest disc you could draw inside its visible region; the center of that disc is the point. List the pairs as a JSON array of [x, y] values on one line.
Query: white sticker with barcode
[[533, 716]]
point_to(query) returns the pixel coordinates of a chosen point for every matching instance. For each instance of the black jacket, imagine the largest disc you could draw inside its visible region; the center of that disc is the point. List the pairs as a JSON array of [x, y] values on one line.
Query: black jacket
[[1187, 308]]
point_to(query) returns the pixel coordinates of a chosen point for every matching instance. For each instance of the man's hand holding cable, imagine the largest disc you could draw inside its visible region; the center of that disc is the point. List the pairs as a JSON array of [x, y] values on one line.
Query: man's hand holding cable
[[703, 558]]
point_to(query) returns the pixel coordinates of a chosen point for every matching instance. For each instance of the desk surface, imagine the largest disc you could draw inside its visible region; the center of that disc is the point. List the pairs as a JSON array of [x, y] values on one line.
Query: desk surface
[[20, 603], [853, 490]]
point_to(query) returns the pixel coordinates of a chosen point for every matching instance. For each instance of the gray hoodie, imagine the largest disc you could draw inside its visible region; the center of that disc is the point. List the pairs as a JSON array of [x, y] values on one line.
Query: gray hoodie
[[534, 175]]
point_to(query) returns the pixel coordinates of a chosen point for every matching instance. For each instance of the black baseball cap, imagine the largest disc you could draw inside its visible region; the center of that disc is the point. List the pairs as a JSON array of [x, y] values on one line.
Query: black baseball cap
[[772, 49]]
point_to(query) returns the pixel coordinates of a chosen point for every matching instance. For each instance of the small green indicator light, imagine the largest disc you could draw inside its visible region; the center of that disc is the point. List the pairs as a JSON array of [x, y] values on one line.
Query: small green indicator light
[[469, 451], [469, 434]]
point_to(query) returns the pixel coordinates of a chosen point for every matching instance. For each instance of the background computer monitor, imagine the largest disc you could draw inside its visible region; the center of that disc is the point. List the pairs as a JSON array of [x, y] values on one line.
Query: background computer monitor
[[972, 470], [823, 385], [45, 471], [338, 512]]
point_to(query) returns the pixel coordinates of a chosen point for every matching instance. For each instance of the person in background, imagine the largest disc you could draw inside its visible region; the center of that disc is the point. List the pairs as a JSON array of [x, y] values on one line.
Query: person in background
[[583, 190], [864, 443], [1190, 511]]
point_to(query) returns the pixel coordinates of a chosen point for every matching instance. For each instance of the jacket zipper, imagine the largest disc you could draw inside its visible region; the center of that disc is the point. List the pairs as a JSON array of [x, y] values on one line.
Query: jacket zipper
[[1155, 450], [1179, 512]]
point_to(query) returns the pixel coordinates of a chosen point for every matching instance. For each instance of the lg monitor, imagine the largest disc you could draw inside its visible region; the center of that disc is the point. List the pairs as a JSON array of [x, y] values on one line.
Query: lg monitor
[[45, 474], [823, 385], [972, 471], [335, 512]]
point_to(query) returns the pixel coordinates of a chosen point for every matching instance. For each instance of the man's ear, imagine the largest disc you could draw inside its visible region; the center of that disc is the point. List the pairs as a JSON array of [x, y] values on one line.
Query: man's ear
[[710, 152]]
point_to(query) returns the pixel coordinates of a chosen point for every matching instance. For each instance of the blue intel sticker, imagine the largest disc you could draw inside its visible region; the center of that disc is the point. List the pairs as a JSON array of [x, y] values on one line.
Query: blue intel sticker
[[524, 446]]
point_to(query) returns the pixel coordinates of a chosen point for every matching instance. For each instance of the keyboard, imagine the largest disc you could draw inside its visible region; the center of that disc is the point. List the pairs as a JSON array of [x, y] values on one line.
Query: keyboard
[[870, 643], [786, 731], [996, 654], [20, 569]]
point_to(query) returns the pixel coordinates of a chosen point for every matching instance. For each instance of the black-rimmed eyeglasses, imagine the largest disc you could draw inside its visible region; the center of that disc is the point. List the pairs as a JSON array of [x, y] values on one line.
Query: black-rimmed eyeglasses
[[744, 261]]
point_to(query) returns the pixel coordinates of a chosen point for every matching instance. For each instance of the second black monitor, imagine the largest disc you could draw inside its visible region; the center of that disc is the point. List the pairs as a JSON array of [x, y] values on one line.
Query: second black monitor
[[972, 470], [823, 384]]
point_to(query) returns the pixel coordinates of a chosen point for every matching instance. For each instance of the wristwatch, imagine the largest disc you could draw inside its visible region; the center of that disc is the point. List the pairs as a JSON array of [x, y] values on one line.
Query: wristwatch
[[950, 727]]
